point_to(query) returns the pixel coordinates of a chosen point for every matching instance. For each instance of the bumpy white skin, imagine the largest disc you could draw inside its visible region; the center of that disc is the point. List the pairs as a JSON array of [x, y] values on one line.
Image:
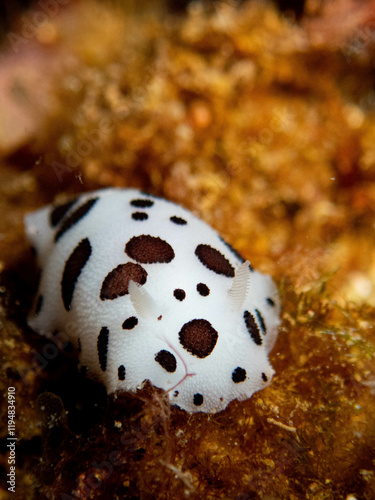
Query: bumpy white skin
[[230, 360]]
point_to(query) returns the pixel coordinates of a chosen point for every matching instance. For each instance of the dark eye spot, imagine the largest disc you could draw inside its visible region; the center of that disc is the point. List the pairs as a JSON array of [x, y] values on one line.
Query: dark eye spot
[[73, 267], [141, 203], [198, 337], [116, 283], [214, 260], [166, 360], [239, 375], [130, 323], [198, 399], [149, 249], [270, 302], [178, 220], [139, 216], [175, 394], [179, 294], [264, 377], [252, 327], [203, 289], [121, 372]]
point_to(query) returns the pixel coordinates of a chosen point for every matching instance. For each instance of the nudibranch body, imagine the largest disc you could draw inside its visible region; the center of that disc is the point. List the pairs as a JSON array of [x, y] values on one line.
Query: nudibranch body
[[150, 292]]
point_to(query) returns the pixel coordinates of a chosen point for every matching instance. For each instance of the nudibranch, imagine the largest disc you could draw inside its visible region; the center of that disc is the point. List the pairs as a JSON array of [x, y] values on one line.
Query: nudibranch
[[151, 292]]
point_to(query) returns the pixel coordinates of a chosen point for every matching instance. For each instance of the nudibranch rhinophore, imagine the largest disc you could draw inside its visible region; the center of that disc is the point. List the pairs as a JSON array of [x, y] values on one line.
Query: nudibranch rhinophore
[[151, 292]]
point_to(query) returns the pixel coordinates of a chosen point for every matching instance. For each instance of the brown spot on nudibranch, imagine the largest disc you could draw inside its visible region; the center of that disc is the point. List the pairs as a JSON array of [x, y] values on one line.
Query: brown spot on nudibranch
[[59, 211], [203, 289], [252, 327], [270, 302], [239, 375], [149, 249], [261, 321], [139, 216], [178, 220], [233, 250], [198, 399], [102, 346], [198, 337], [72, 270], [116, 283], [121, 372], [167, 360], [214, 260], [130, 323], [141, 203], [75, 217], [179, 294]]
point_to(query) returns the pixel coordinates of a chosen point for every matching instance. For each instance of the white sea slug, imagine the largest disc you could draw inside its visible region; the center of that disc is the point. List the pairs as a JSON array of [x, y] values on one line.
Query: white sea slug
[[153, 293]]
